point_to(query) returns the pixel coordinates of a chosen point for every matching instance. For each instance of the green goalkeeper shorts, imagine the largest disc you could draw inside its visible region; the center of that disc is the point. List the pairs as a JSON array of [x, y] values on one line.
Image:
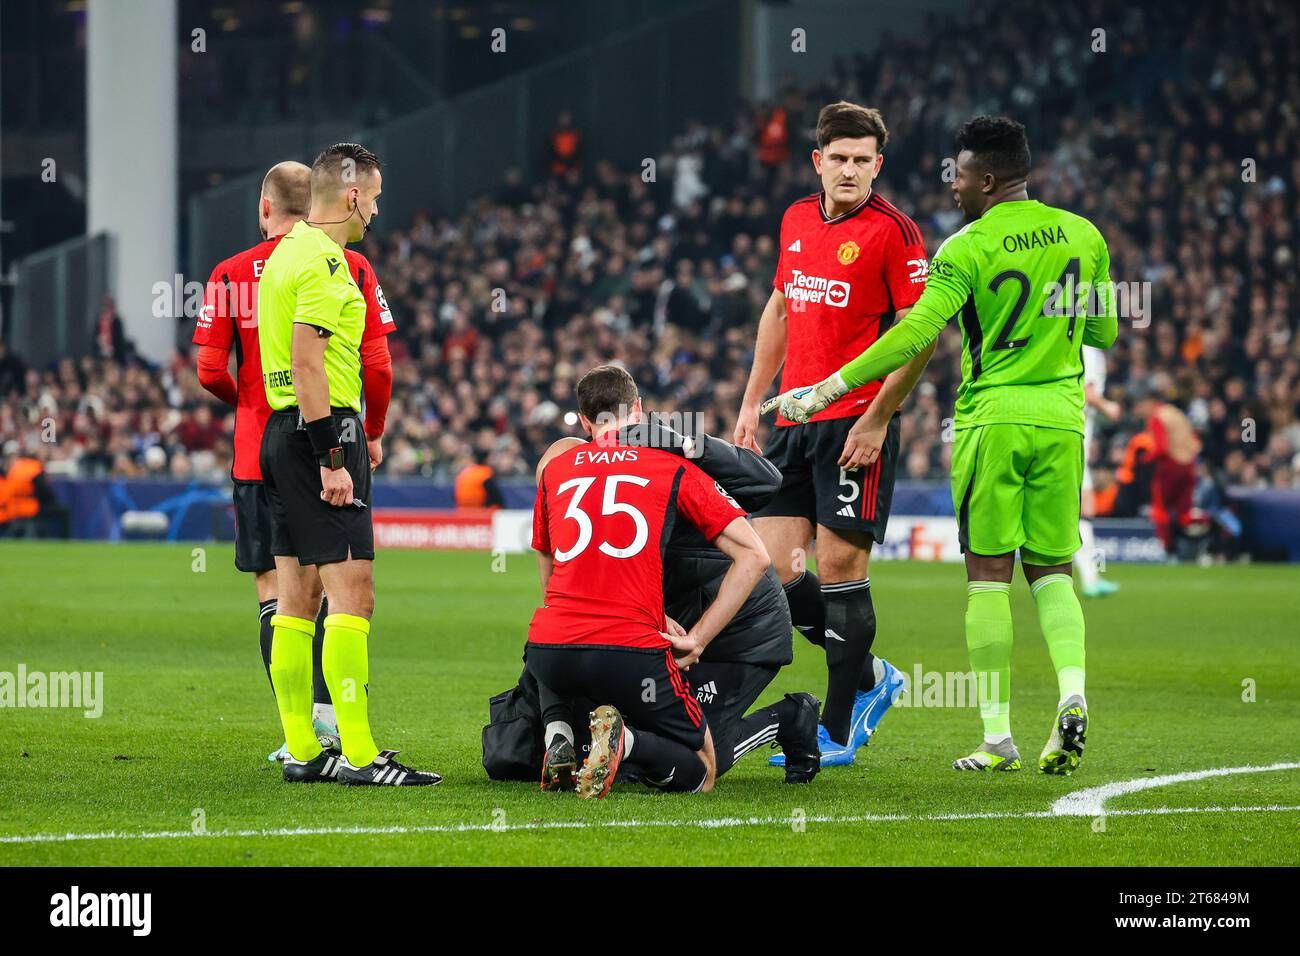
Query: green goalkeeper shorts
[[1017, 487]]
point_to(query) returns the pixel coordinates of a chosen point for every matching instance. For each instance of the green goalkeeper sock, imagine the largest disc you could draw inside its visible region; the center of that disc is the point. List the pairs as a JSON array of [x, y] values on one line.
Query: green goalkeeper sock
[[988, 638], [291, 678], [346, 663], [1061, 618]]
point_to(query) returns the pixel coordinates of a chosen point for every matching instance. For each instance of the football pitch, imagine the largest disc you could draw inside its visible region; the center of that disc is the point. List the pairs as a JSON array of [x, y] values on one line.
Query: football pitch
[[1189, 670]]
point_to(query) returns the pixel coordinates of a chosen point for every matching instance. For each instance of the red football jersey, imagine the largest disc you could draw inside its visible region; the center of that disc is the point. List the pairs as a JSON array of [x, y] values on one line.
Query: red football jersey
[[604, 513], [228, 320], [843, 280]]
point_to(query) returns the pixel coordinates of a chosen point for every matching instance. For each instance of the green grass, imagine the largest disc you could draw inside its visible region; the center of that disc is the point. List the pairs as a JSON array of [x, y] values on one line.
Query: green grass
[[188, 720]]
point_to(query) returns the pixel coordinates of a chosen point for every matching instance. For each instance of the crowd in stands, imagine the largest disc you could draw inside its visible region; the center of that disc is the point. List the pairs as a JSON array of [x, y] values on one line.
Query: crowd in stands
[[1180, 140]]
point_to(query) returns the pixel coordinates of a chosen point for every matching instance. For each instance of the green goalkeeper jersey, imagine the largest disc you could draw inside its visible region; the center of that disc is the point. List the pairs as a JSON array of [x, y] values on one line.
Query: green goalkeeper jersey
[[1031, 286]]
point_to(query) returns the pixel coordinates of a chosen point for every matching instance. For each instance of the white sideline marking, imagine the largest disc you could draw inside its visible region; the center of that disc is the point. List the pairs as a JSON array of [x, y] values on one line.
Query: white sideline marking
[[1091, 801], [707, 824]]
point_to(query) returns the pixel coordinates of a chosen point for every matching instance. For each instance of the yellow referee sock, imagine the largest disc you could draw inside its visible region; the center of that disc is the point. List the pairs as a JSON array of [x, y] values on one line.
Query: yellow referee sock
[[346, 664], [291, 678]]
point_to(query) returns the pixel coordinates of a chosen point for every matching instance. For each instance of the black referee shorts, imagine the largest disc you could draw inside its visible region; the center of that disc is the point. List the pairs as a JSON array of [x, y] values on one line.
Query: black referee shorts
[[814, 486], [302, 525], [643, 683]]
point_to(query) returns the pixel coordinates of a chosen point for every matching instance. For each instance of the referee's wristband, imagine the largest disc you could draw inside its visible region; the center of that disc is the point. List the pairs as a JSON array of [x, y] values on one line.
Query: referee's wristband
[[324, 436]]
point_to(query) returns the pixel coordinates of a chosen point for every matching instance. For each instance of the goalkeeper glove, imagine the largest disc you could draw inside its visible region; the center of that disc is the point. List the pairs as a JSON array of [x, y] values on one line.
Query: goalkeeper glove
[[801, 404]]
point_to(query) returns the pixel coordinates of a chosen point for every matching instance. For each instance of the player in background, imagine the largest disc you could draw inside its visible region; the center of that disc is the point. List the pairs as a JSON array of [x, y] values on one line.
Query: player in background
[[1175, 447], [1031, 285], [601, 521], [850, 266], [228, 322], [1091, 583]]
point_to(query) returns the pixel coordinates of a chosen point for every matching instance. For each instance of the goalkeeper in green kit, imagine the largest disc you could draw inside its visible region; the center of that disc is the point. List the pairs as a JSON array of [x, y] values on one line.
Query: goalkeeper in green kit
[[1030, 285]]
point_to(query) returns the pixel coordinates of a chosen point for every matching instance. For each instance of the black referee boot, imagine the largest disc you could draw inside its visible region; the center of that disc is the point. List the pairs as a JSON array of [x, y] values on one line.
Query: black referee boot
[[321, 768], [798, 739], [384, 771]]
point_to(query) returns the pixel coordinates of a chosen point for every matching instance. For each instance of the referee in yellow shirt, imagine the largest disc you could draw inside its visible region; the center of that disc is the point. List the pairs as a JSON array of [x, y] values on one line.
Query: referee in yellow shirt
[[316, 470]]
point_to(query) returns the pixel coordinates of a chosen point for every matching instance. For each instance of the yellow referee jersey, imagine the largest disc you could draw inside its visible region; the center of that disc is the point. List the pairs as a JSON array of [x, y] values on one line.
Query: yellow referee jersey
[[306, 280]]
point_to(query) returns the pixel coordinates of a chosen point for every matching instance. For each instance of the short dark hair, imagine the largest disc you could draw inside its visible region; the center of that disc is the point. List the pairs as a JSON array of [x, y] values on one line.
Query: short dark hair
[[605, 390], [998, 144], [844, 120], [340, 165]]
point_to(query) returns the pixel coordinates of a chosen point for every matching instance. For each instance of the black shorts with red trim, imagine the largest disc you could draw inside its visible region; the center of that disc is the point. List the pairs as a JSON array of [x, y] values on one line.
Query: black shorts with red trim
[[814, 486], [644, 684], [252, 528]]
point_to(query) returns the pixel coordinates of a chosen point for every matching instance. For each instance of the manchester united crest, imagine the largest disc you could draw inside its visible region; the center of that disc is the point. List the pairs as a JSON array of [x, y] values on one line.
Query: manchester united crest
[[848, 252]]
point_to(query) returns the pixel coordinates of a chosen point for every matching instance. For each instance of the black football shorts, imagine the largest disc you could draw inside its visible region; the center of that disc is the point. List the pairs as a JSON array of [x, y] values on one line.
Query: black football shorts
[[252, 528], [302, 525], [814, 486], [644, 684]]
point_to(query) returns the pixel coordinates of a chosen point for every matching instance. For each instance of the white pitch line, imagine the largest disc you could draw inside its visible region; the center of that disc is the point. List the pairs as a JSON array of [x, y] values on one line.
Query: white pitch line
[[708, 824], [1091, 802]]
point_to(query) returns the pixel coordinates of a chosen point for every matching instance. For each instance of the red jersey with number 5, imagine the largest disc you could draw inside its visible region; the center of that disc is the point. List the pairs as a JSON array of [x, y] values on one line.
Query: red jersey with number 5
[[228, 320], [844, 279], [605, 513]]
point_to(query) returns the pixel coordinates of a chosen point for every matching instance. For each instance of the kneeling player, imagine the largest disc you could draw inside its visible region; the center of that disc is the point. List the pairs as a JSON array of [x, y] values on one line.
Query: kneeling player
[[745, 657], [747, 654], [602, 516]]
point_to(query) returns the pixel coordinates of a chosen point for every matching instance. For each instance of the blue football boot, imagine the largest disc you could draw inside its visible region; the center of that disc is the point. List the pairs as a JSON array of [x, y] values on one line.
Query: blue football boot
[[833, 754], [870, 706]]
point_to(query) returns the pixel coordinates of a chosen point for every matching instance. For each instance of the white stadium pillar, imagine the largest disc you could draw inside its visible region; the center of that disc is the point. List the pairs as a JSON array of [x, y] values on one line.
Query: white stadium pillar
[[131, 156]]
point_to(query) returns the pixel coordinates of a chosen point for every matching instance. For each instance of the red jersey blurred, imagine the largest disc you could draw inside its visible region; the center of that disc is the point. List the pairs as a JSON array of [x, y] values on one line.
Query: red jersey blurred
[[228, 320], [1173, 484], [605, 513], [843, 279]]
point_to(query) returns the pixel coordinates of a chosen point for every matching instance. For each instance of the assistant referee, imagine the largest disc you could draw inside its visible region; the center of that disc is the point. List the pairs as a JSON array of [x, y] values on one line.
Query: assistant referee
[[316, 468]]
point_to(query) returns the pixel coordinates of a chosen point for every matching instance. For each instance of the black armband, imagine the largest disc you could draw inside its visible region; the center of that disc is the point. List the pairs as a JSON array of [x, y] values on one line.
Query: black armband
[[324, 436]]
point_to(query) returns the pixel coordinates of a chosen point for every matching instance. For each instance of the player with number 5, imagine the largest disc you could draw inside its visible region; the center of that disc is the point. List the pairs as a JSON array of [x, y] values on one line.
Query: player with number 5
[[1031, 286], [851, 265]]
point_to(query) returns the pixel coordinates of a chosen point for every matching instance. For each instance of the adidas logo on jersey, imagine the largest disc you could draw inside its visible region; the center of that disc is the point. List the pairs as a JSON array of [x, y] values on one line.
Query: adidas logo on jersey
[[794, 247], [707, 692], [846, 512]]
